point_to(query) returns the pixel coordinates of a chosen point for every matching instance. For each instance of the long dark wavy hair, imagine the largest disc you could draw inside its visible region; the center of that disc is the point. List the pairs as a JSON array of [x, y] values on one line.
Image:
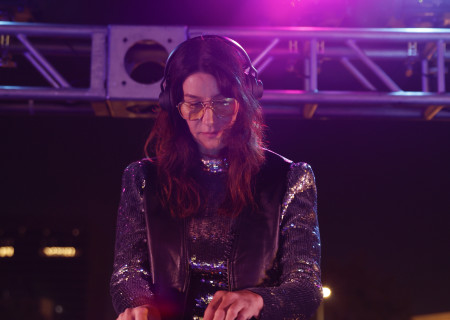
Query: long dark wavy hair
[[176, 152]]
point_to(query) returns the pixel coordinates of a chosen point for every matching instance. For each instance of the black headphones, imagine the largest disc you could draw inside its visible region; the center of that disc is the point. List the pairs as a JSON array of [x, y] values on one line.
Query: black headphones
[[252, 74]]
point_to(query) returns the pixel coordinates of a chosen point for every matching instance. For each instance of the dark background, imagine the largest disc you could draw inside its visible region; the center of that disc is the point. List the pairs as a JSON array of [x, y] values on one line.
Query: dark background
[[383, 186], [383, 208]]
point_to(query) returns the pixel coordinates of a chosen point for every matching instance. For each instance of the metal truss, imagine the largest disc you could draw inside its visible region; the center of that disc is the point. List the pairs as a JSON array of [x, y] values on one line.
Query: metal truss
[[58, 88], [307, 72]]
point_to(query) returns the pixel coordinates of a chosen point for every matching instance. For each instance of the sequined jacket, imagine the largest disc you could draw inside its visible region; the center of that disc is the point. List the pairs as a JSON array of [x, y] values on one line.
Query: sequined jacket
[[275, 251]]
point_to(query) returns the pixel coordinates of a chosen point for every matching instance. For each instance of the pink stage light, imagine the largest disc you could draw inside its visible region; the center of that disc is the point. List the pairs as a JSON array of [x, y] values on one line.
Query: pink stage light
[[348, 13], [304, 12]]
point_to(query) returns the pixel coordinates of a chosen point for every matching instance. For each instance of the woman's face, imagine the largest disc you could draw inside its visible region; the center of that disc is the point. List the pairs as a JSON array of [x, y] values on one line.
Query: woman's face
[[208, 131]]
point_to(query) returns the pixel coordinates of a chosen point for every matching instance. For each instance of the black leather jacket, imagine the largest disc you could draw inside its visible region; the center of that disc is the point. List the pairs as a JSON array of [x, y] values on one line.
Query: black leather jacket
[[275, 253]]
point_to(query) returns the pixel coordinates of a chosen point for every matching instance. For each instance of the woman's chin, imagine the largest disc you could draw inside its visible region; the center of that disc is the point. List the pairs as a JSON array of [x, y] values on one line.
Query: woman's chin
[[210, 149]]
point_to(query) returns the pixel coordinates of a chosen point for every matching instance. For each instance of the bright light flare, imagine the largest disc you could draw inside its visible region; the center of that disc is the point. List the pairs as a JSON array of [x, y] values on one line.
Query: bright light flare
[[301, 12], [6, 252], [64, 252], [326, 292]]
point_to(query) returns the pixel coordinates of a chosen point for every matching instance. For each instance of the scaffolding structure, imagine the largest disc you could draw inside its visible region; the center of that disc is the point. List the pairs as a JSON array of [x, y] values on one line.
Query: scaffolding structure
[[308, 72]]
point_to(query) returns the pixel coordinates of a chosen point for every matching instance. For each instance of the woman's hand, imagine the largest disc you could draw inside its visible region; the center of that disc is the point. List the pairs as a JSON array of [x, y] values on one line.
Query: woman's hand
[[145, 312], [240, 305]]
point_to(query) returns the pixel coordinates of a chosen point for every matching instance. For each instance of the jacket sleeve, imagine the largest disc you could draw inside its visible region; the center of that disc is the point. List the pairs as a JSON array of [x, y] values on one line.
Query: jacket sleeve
[[299, 291], [131, 277]]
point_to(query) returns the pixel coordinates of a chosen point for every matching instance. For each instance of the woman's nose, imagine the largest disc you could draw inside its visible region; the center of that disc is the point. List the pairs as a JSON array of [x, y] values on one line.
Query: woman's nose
[[208, 116]]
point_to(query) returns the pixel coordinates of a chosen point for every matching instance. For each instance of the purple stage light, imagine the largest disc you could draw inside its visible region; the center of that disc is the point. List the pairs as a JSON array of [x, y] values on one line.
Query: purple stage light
[[350, 13], [303, 12]]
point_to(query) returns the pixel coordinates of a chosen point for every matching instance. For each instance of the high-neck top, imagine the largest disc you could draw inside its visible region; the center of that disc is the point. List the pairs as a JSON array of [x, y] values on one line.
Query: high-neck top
[[210, 238]]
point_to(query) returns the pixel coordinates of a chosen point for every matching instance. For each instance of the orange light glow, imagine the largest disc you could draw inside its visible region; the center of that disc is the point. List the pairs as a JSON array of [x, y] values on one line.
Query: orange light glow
[[326, 292], [6, 252], [65, 252]]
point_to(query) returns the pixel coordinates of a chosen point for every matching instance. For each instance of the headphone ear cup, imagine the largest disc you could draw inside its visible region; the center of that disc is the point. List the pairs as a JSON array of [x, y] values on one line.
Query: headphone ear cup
[[258, 90], [256, 86], [164, 100]]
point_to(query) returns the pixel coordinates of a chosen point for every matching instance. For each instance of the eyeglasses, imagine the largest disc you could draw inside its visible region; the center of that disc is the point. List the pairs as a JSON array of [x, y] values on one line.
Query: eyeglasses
[[222, 108]]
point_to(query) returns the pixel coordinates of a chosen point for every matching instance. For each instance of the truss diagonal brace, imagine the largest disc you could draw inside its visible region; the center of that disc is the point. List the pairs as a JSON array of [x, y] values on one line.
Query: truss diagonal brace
[[357, 74], [373, 66], [41, 70], [266, 51], [37, 57]]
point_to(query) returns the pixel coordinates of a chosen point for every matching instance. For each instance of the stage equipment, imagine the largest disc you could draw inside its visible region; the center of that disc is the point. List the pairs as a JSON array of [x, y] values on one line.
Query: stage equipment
[[308, 72], [137, 57]]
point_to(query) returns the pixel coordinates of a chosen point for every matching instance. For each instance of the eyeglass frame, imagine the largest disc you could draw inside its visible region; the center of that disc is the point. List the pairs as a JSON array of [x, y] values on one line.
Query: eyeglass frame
[[206, 104]]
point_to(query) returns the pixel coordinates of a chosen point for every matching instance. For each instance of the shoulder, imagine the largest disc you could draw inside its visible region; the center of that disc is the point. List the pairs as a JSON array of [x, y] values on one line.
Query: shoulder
[[301, 168], [140, 167], [141, 164], [136, 173], [301, 176]]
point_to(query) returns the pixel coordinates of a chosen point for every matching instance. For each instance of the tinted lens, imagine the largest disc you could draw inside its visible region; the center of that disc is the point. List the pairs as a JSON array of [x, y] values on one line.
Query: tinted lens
[[194, 111], [191, 111], [224, 107]]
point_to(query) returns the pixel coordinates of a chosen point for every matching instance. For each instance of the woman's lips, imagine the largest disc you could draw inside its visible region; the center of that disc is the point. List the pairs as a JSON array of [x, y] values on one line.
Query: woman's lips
[[209, 134]]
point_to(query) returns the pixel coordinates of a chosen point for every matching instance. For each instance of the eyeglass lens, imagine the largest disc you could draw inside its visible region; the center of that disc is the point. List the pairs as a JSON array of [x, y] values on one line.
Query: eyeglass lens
[[221, 108]]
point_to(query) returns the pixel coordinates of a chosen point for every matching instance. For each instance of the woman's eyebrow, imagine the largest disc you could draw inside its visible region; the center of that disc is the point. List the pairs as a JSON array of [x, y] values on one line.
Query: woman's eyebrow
[[192, 96], [187, 95]]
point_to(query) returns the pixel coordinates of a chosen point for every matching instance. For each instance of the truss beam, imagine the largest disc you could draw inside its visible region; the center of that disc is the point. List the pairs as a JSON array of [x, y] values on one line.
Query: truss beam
[[361, 52]]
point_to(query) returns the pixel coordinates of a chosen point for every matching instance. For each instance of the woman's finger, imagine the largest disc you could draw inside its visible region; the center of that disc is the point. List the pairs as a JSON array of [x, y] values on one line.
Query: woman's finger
[[229, 307], [213, 305], [139, 313], [245, 314], [234, 310], [241, 305]]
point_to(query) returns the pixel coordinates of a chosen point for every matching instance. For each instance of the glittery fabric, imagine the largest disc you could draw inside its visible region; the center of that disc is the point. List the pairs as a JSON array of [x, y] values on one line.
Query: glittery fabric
[[214, 165], [292, 289], [131, 278], [298, 291], [210, 239]]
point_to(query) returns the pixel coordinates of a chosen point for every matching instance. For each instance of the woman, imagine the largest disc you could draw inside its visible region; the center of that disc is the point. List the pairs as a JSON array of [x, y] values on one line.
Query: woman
[[214, 226]]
